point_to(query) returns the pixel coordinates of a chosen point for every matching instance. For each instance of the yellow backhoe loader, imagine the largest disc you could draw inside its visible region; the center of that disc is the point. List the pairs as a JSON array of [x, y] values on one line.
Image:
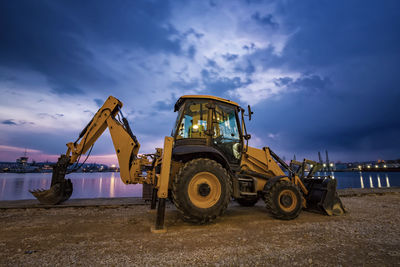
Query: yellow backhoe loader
[[202, 166]]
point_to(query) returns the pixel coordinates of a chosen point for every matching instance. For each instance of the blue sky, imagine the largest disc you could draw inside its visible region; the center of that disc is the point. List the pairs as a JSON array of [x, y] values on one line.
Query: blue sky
[[318, 74]]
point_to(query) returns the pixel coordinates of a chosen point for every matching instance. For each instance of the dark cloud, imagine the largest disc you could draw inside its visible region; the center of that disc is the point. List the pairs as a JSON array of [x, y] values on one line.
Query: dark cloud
[[347, 52], [186, 85], [307, 82], [191, 52], [214, 84], [55, 116], [45, 40], [362, 127], [193, 32], [249, 67], [230, 57], [128, 23], [267, 58], [365, 28], [284, 81], [212, 64], [212, 3], [346, 99], [312, 82], [50, 143], [13, 122], [163, 105], [266, 20], [99, 102], [55, 39], [9, 122], [249, 48]]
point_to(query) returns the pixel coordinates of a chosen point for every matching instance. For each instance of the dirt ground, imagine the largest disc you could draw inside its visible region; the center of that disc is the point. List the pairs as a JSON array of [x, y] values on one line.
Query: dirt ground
[[369, 235]]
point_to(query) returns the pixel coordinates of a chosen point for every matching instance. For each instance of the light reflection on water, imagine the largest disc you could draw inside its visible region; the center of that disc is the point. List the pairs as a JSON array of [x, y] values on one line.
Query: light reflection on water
[[379, 181], [370, 181], [387, 180], [364, 179], [371, 178], [16, 186]]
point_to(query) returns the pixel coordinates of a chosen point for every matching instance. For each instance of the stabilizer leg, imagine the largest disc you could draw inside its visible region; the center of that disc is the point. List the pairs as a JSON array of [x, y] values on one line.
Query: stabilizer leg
[[154, 199], [159, 227]]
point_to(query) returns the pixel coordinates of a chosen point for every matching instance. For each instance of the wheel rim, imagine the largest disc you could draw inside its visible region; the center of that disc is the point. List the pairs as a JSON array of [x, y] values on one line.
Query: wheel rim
[[287, 200], [204, 190]]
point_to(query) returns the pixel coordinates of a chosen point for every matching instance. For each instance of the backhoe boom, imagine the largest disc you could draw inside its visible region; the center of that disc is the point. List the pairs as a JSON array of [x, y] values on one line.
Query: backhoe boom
[[125, 144]]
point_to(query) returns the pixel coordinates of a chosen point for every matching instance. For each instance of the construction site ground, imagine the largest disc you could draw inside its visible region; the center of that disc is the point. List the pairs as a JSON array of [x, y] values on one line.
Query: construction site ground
[[116, 232]]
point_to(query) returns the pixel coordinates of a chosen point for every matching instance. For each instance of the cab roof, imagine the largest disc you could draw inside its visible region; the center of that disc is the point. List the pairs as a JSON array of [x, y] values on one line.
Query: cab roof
[[208, 97]]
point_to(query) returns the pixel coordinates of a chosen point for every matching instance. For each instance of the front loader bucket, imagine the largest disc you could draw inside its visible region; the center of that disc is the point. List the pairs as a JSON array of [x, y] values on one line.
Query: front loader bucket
[[61, 188], [322, 196]]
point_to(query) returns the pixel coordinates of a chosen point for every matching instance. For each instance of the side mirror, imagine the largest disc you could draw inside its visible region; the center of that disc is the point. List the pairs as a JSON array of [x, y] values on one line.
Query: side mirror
[[249, 111], [247, 137]]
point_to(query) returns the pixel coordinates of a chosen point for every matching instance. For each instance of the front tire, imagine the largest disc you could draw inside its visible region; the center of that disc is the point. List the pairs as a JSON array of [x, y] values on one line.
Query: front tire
[[283, 200], [201, 190]]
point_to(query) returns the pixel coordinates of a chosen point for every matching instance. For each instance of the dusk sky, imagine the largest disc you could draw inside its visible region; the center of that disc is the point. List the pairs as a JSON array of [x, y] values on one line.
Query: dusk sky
[[319, 74]]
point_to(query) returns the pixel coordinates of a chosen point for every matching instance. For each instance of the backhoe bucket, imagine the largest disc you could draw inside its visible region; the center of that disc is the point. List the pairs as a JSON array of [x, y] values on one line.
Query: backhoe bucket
[[57, 193], [322, 196], [61, 188]]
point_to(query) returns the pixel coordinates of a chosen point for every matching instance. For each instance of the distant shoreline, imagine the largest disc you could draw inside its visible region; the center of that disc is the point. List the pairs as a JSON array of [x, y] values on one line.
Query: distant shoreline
[[52, 172], [369, 170]]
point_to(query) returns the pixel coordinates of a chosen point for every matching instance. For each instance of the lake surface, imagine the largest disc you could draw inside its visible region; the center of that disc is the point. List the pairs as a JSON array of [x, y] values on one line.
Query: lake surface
[[364, 179], [15, 186]]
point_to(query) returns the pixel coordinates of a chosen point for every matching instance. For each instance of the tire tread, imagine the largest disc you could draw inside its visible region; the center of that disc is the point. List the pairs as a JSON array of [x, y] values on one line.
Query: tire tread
[[177, 198]]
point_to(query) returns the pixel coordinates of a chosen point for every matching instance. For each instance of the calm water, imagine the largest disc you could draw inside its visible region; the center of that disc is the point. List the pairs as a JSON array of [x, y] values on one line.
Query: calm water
[[365, 179], [14, 186]]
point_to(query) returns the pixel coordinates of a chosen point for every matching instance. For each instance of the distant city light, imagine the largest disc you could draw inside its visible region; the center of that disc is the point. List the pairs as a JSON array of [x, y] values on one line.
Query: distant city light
[[369, 166], [324, 165], [359, 167], [376, 166], [384, 166], [331, 164], [113, 166]]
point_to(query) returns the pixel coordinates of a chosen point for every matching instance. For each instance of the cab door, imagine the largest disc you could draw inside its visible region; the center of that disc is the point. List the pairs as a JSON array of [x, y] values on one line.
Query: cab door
[[226, 133]]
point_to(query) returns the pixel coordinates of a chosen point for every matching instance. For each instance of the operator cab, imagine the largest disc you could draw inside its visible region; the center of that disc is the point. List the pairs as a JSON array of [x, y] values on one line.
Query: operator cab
[[208, 124]]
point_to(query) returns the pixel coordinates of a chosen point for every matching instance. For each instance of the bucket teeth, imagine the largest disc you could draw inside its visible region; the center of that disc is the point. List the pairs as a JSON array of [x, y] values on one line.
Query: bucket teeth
[[57, 193], [61, 188]]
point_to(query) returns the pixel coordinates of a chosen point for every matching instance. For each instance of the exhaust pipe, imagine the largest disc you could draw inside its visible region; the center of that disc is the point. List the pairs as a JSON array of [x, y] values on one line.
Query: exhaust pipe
[[61, 189]]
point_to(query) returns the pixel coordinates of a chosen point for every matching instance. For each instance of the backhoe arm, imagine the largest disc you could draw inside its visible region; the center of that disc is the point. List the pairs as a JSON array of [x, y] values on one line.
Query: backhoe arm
[[95, 128], [125, 144]]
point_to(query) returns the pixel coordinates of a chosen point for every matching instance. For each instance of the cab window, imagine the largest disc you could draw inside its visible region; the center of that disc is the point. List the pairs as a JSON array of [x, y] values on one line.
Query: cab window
[[225, 126], [226, 132], [194, 120]]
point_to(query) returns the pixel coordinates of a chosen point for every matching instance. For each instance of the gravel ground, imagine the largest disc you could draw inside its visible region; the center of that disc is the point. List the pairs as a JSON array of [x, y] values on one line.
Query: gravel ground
[[369, 235]]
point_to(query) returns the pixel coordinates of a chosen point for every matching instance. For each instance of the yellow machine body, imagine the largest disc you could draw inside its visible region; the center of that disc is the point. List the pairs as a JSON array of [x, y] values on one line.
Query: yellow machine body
[[202, 166]]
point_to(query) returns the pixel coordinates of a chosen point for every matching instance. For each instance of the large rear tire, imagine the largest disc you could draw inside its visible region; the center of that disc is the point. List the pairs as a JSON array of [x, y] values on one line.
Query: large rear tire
[[283, 200], [201, 190]]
